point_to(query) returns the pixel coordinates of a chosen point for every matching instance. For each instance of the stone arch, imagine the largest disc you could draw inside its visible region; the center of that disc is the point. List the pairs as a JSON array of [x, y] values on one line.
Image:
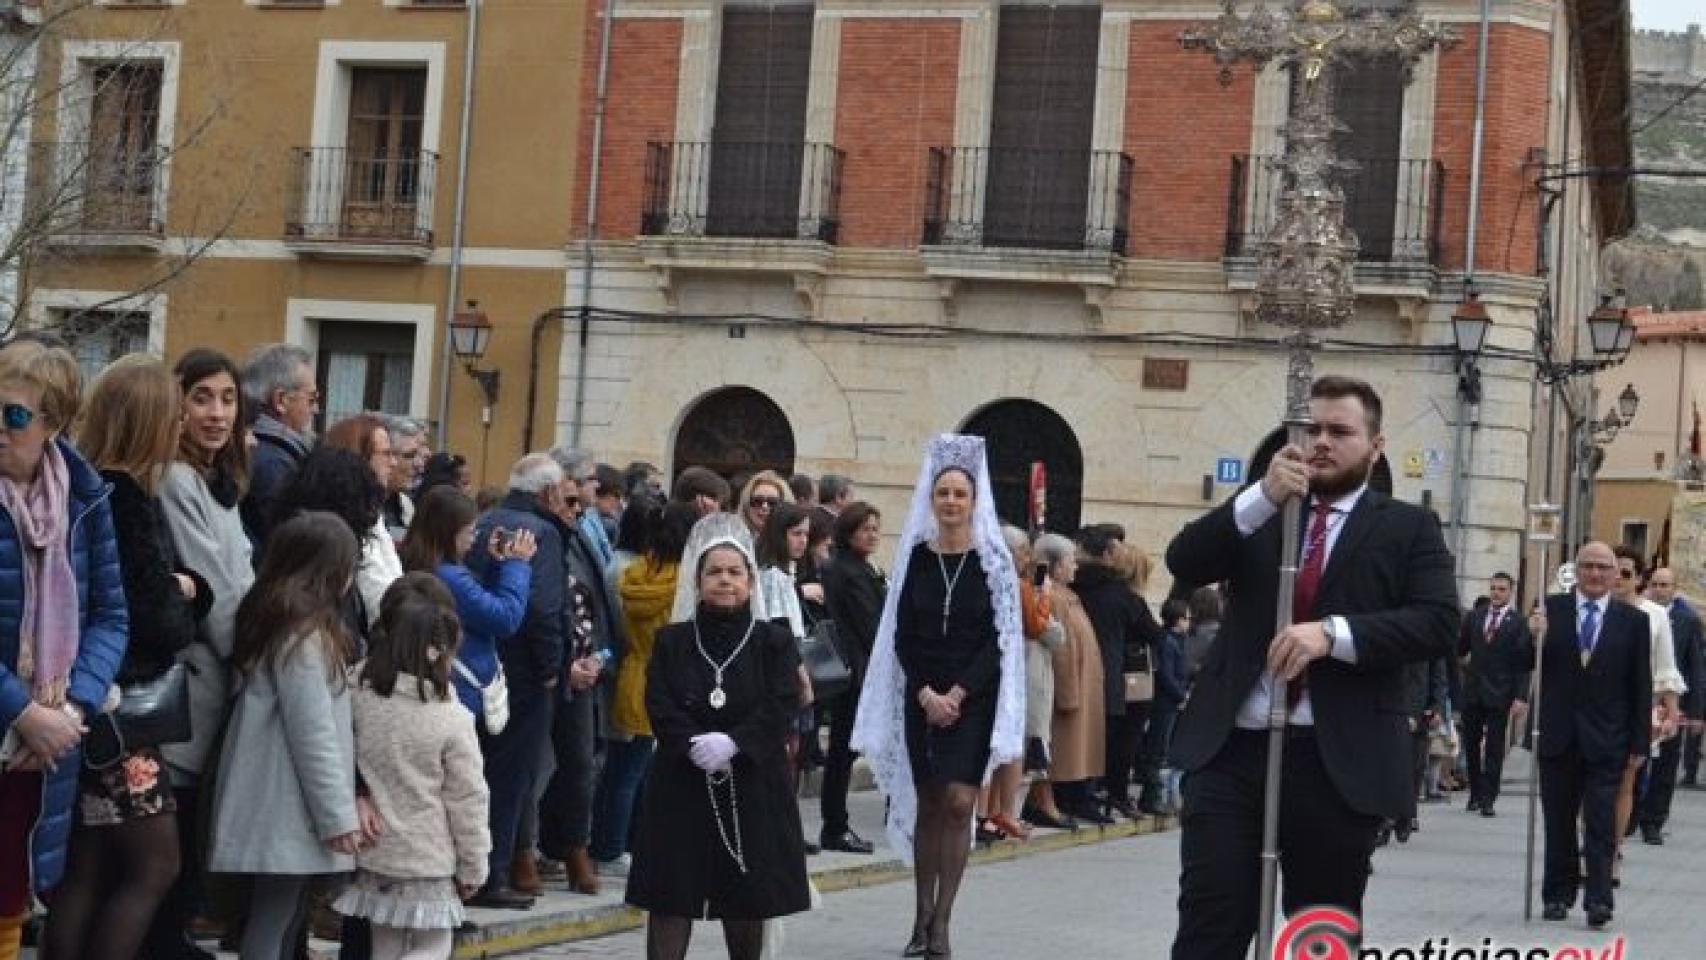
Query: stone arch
[[1021, 432], [734, 430]]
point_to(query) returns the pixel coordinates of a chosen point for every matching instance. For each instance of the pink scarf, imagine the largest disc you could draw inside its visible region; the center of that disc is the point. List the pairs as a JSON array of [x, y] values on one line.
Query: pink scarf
[[48, 632]]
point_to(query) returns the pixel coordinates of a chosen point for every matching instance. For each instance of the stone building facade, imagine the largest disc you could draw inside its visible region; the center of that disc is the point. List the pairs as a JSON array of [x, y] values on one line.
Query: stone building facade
[[928, 262]]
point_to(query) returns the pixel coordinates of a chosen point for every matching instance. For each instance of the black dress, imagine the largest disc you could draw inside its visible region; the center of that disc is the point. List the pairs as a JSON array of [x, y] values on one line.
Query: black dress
[[681, 866], [967, 655]]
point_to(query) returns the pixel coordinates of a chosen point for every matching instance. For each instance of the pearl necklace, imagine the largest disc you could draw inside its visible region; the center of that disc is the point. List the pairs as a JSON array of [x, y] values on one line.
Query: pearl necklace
[[736, 849], [950, 583], [718, 698]]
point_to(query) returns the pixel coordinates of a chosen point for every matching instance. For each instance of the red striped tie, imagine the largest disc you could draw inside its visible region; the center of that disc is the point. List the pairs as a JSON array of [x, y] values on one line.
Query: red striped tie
[[1308, 585]]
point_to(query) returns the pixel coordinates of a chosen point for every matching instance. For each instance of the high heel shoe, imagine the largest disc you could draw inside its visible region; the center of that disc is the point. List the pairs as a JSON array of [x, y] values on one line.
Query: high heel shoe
[[919, 945], [1010, 827]]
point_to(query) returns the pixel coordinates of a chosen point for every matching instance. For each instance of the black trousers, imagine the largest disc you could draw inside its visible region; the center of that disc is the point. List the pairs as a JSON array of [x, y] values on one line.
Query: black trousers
[[1690, 755], [1652, 807], [1484, 731], [565, 812], [1418, 764], [1324, 845], [838, 763], [1122, 750], [1573, 789]]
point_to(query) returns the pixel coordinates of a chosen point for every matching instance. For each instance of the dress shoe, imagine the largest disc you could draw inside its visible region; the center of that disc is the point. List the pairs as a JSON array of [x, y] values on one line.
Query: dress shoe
[[1010, 827], [1487, 810], [500, 898], [1555, 911], [1089, 814], [986, 834], [524, 874], [582, 878], [1051, 821], [919, 945], [1383, 836], [1598, 915], [813, 849], [1131, 811], [1652, 835], [1401, 831], [846, 842], [1474, 804]]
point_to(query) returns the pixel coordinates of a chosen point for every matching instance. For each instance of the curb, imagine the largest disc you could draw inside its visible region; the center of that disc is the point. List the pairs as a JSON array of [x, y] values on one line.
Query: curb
[[532, 932]]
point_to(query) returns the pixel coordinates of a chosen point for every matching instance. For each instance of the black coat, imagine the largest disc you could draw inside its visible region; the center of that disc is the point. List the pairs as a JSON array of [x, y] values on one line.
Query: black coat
[[1126, 631], [1496, 672], [1690, 643], [1389, 575], [1603, 710], [854, 591], [278, 454], [162, 619], [681, 867]]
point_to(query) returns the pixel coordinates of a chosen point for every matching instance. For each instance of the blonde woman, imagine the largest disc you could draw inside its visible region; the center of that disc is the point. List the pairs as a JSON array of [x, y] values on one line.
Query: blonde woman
[[758, 499]]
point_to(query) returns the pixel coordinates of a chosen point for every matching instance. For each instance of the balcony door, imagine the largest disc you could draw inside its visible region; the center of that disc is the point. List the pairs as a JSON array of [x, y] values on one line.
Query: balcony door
[[1038, 185], [1369, 100], [758, 141], [382, 156], [122, 155]]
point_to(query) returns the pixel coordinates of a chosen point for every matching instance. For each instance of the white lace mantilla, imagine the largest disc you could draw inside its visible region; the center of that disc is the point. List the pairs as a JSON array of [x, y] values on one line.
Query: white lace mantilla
[[714, 530], [880, 730]]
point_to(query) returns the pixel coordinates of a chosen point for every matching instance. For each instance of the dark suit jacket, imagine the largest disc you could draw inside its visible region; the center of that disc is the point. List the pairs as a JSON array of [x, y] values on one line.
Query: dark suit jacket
[[1686, 634], [1497, 672], [1389, 575], [1602, 710]]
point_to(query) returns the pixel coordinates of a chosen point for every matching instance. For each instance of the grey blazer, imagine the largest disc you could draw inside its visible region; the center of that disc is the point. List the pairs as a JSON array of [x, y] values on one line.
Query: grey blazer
[[286, 780]]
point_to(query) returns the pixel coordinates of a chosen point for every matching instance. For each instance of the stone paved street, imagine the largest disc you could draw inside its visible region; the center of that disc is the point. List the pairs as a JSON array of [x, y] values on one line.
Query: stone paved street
[[1459, 877]]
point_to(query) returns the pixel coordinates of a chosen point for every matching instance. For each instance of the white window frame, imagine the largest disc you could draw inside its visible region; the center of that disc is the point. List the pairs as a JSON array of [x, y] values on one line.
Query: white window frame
[[43, 303], [302, 319], [333, 80], [79, 59], [1646, 526]]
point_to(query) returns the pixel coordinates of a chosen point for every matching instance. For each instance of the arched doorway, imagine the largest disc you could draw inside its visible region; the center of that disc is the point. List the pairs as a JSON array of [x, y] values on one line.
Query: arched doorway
[[1019, 433], [734, 431]]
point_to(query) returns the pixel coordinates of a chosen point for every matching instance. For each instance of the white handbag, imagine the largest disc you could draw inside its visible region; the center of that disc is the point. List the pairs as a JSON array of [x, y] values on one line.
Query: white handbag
[[494, 697]]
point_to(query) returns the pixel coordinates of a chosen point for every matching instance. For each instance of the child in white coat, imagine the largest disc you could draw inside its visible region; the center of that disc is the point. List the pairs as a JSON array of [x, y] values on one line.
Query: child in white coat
[[419, 761]]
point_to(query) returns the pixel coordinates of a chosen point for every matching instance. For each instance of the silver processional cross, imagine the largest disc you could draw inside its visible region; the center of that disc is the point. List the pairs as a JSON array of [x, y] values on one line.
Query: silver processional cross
[[1306, 262]]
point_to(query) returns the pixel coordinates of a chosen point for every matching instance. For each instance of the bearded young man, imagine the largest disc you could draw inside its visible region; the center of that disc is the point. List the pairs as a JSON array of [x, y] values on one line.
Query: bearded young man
[[1374, 592]]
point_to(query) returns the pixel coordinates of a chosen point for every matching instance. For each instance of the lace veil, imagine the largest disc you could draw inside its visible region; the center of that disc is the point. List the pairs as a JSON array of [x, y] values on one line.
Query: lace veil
[[718, 528], [880, 730]]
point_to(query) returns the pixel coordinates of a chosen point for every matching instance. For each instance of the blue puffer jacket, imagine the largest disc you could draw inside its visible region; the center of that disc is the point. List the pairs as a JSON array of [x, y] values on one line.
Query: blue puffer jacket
[[488, 614], [106, 630]]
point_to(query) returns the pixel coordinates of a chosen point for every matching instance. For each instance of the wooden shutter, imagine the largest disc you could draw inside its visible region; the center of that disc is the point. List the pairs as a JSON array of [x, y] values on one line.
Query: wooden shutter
[[124, 120], [383, 151], [758, 139], [1041, 126]]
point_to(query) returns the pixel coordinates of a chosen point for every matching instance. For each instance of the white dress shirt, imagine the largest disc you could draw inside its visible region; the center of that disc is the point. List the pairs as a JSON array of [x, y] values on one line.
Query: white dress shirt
[[1251, 511]]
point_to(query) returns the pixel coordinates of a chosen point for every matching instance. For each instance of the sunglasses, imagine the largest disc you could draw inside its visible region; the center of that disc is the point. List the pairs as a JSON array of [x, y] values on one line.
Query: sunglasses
[[16, 416], [765, 502]]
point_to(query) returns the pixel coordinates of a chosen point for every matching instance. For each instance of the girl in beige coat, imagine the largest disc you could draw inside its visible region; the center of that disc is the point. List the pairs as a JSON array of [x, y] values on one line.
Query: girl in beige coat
[[420, 762]]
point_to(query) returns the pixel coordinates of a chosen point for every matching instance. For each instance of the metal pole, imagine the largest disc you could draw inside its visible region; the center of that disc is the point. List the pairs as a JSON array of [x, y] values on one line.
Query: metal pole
[[1300, 374], [1534, 746], [600, 103], [453, 294]]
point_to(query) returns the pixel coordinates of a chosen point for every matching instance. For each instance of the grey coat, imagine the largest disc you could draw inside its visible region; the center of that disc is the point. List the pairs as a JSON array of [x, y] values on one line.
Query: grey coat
[[209, 539], [286, 780]]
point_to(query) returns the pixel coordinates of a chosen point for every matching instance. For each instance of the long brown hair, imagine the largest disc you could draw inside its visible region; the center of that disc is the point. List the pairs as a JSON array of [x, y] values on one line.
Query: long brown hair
[[439, 517], [130, 422], [416, 635], [298, 593], [229, 468]]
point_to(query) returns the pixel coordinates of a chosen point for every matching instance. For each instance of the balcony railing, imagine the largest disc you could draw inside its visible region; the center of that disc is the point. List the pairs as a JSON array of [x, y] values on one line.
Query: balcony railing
[[95, 190], [779, 190], [1038, 199], [339, 195], [1394, 206]]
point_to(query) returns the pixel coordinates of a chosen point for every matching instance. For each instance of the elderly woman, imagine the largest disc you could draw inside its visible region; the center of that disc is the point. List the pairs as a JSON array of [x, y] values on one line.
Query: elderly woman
[[719, 835], [758, 499], [63, 620], [367, 436]]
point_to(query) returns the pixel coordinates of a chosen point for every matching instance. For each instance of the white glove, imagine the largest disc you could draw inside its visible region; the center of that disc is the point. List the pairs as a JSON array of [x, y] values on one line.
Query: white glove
[[712, 752]]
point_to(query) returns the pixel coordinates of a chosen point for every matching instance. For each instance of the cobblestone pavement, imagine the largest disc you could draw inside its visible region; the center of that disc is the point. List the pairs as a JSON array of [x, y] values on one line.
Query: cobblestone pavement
[[1459, 878]]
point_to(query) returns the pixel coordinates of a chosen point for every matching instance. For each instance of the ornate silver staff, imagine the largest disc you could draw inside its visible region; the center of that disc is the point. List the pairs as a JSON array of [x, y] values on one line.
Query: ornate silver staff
[[1305, 263]]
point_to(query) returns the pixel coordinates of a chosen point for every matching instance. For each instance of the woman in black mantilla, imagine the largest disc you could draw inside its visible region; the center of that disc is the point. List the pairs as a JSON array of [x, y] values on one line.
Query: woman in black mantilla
[[719, 835]]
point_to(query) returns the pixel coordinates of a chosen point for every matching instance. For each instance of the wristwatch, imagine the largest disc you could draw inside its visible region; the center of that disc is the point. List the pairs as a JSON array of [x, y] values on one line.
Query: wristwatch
[[1330, 627], [73, 711]]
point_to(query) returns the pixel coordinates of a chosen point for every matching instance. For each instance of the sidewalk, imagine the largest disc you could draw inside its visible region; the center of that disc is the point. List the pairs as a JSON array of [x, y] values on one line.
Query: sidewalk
[[561, 916]]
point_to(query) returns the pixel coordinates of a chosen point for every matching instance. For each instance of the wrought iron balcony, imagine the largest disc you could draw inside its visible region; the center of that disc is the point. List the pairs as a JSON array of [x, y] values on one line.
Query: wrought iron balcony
[[96, 194], [1394, 206], [1030, 198], [347, 197], [780, 190]]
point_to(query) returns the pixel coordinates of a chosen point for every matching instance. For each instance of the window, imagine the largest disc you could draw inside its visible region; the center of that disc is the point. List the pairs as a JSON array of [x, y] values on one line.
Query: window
[[1635, 536], [1041, 126], [382, 168], [121, 159], [365, 366], [98, 337], [758, 140], [1370, 101]]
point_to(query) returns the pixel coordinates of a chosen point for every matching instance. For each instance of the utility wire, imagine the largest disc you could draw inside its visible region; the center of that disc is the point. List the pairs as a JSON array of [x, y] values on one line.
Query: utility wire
[[1679, 101]]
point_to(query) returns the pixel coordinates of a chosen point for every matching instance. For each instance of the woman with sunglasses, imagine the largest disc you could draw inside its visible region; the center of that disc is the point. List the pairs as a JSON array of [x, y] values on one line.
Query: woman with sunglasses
[[124, 848], [758, 499], [62, 620]]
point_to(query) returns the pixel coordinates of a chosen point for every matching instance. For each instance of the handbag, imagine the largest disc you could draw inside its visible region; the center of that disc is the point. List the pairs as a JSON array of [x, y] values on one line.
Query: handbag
[[149, 713], [1139, 682], [494, 697], [820, 652]]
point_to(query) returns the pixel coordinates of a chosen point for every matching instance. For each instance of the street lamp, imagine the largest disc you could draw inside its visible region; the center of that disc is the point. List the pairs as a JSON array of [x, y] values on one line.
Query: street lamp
[[1469, 327], [1628, 402], [470, 334]]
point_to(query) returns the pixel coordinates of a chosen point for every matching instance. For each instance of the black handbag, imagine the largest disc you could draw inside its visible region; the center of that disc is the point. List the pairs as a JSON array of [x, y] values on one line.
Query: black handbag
[[149, 713], [819, 651]]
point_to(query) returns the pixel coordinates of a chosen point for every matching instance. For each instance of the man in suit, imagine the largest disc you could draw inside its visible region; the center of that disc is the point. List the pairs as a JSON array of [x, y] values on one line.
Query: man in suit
[[1374, 593], [1653, 808], [1596, 697], [1498, 656]]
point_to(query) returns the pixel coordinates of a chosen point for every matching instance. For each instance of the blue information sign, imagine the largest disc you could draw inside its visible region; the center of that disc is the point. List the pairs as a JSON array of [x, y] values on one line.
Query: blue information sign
[[1229, 470]]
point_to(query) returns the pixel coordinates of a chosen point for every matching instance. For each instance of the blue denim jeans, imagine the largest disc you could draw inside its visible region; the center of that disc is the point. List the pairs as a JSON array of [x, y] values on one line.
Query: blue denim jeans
[[625, 766]]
